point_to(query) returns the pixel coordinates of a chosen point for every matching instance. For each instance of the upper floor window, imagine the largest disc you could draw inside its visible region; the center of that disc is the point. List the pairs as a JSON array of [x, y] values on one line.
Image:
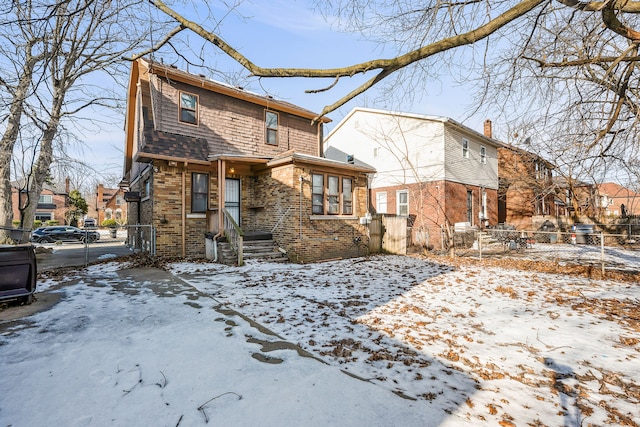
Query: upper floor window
[[271, 122], [45, 199], [331, 195], [188, 108], [402, 203], [119, 200], [199, 192], [465, 148], [483, 155]]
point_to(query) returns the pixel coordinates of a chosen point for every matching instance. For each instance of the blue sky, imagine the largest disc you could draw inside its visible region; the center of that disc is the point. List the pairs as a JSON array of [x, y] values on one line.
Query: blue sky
[[283, 33]]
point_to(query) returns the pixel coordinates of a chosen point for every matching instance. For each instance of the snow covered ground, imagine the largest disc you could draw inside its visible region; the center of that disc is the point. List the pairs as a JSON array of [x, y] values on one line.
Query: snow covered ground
[[406, 341]]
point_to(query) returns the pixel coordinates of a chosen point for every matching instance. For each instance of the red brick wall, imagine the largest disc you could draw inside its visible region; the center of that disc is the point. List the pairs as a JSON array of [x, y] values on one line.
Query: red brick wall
[[434, 204]]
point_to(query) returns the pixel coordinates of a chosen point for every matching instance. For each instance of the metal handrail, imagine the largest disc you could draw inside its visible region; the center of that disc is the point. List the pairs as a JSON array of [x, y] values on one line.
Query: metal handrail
[[234, 234], [282, 217]]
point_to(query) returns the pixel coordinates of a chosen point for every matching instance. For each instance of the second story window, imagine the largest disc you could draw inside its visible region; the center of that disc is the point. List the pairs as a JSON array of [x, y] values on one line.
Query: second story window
[[45, 199], [483, 155], [188, 108], [271, 122], [465, 148]]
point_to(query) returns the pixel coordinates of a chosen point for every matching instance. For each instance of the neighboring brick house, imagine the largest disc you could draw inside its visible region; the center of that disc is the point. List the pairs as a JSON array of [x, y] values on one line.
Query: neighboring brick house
[[527, 195], [433, 170], [108, 203], [53, 203], [199, 152], [614, 200]]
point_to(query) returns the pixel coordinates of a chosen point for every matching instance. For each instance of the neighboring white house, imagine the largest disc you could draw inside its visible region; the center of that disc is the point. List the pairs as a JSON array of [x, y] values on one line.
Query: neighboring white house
[[432, 169]]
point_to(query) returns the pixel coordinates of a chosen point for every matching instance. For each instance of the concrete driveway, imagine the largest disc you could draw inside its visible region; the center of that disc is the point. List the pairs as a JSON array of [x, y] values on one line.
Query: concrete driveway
[[68, 254]]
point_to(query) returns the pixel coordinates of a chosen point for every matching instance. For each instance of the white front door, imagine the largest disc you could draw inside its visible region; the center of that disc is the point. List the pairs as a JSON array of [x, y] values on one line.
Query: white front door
[[232, 198]]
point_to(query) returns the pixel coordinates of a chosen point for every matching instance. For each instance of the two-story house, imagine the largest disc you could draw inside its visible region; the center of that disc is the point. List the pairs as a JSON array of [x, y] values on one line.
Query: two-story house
[[53, 203], [527, 195], [107, 203], [433, 170], [614, 200], [202, 156]]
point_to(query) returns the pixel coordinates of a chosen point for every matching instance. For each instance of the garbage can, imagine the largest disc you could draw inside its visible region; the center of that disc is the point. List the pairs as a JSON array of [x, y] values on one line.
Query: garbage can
[[208, 245], [114, 232]]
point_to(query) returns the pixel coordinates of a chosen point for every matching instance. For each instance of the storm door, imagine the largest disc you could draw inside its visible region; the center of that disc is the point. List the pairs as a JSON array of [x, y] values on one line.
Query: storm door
[[232, 198]]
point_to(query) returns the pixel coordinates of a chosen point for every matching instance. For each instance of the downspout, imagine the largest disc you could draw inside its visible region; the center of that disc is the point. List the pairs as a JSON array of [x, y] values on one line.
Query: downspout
[[184, 207]]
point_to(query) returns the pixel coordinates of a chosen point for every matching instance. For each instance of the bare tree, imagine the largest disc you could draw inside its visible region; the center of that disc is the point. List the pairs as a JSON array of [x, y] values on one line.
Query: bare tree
[[51, 50], [568, 65]]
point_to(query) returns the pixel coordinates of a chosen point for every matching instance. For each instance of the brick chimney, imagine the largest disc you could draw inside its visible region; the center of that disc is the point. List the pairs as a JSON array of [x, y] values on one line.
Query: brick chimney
[[99, 197], [488, 129]]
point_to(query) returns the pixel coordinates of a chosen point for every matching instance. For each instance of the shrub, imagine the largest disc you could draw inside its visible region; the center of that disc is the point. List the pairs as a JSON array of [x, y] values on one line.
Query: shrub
[[37, 223], [109, 223], [52, 222], [16, 223]]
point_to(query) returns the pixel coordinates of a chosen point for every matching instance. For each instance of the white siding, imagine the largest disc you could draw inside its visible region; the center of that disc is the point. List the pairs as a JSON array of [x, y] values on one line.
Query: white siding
[[470, 170], [402, 149]]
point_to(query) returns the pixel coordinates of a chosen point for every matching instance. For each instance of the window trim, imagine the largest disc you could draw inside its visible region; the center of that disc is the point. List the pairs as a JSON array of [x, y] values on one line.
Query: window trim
[[483, 154], [345, 207], [45, 199], [194, 193], [194, 110], [398, 204], [379, 195], [465, 148], [272, 129]]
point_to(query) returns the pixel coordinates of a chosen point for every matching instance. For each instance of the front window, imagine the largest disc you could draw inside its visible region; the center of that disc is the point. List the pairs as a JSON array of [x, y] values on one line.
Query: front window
[[483, 155], [199, 192], [45, 199], [402, 203], [108, 213], [465, 148], [271, 123], [331, 195], [188, 108], [118, 214]]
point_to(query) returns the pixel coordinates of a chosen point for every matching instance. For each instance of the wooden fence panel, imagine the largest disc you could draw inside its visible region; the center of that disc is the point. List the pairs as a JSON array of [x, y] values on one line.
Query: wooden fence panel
[[394, 240], [375, 233]]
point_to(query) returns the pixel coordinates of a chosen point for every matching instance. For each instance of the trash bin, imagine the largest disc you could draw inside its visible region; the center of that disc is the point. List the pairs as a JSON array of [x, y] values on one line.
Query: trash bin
[[208, 245], [114, 232], [18, 272]]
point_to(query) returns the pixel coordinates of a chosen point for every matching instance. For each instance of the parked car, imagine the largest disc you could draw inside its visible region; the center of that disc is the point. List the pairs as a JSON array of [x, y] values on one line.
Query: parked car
[[89, 223], [586, 234], [64, 233], [18, 272]]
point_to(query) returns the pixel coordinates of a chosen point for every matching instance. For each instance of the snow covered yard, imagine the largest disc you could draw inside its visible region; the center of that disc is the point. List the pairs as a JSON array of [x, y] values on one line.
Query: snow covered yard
[[422, 343], [478, 345]]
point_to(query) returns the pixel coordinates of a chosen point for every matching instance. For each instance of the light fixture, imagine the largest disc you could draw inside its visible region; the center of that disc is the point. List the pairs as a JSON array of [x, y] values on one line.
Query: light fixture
[[232, 170]]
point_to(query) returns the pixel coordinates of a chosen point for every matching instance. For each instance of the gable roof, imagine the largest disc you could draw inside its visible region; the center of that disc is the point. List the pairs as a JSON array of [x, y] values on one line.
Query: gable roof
[[446, 121], [613, 190], [172, 72]]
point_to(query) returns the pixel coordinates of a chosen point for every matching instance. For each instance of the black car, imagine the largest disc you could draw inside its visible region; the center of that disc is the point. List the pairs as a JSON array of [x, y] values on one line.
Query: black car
[[63, 233]]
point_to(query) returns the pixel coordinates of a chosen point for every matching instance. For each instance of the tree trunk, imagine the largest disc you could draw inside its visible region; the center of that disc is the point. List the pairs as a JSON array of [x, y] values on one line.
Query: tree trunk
[[8, 143]]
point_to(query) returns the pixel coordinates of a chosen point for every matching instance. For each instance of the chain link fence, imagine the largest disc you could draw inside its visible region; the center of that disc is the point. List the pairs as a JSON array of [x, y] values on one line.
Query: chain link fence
[[582, 245]]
